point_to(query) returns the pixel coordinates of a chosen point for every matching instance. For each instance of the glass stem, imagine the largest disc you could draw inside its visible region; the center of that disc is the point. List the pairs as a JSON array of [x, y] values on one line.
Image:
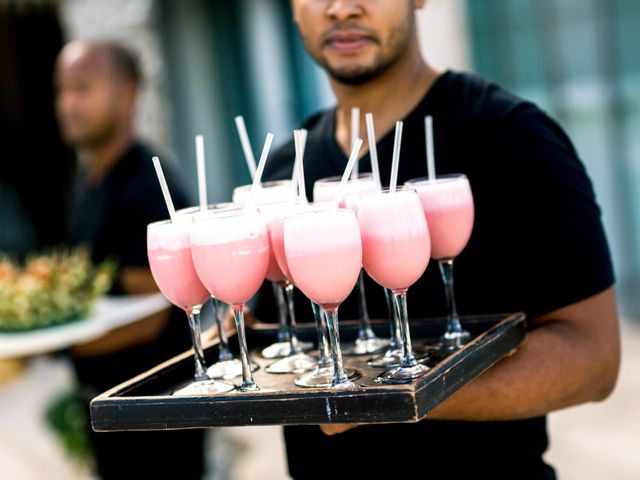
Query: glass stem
[[446, 270], [408, 358], [323, 342], [224, 352], [247, 377], [293, 336], [339, 374], [283, 330], [196, 338], [396, 336], [365, 332]]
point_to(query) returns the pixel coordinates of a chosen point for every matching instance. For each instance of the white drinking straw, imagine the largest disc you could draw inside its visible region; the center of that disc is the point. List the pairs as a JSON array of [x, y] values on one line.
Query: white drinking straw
[[299, 139], [347, 172], [164, 188], [246, 145], [431, 159], [355, 133], [373, 149], [395, 162], [202, 177], [263, 160]]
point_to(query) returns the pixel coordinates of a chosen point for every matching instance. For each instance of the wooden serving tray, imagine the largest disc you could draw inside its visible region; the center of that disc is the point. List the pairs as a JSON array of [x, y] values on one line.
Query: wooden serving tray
[[145, 402]]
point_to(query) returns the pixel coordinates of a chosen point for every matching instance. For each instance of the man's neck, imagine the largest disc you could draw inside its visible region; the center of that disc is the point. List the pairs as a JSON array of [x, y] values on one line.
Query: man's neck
[[99, 160], [389, 97]]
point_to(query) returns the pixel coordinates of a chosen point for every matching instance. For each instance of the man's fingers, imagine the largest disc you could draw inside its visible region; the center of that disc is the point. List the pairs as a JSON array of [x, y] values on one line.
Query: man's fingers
[[337, 428]]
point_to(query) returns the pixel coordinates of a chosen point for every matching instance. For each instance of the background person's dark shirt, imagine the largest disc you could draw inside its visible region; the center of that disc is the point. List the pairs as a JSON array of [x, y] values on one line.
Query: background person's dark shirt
[[111, 218], [537, 245]]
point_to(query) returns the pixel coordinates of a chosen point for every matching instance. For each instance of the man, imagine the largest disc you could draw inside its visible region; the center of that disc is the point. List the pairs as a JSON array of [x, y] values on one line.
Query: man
[[115, 196], [538, 246]]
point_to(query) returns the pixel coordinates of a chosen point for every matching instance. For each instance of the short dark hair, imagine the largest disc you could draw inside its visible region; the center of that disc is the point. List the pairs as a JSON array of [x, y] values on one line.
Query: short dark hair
[[126, 62]]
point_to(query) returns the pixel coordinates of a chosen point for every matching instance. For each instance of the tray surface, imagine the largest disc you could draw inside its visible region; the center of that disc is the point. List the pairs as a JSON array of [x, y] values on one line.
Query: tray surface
[[145, 402]]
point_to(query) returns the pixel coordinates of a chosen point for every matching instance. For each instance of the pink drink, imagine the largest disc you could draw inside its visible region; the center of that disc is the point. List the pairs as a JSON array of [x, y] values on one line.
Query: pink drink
[[395, 238], [169, 252], [448, 205], [231, 254], [270, 192], [325, 190], [324, 253], [272, 215]]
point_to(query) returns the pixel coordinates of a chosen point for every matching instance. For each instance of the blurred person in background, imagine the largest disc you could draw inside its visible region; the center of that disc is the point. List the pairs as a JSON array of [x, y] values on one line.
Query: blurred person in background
[[115, 195], [538, 246]]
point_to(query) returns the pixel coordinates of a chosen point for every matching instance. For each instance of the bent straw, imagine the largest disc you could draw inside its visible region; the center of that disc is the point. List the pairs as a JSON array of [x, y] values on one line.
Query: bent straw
[[202, 178], [355, 133], [263, 160], [299, 144], [347, 172], [246, 145], [431, 159], [395, 162], [165, 188], [373, 150]]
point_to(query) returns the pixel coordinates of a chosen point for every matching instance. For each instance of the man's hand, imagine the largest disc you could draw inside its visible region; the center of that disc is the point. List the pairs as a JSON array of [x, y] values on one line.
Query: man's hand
[[331, 429]]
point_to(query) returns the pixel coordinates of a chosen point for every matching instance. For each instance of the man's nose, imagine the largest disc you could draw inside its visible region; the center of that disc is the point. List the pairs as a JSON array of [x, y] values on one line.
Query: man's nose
[[343, 10]]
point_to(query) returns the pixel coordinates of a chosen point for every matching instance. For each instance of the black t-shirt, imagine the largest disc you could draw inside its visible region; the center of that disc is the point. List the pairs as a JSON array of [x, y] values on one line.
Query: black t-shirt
[[537, 245], [112, 217]]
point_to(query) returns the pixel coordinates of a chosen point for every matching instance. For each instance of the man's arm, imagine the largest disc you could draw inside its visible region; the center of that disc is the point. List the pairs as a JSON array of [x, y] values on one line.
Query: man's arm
[[570, 356], [134, 280]]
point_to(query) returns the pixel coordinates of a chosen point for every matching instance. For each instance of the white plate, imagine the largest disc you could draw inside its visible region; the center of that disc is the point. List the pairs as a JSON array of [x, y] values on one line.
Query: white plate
[[108, 314]]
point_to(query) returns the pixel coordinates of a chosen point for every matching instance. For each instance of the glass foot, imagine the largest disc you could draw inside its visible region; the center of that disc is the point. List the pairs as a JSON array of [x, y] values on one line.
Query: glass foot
[[206, 387], [323, 377], [228, 370], [298, 363], [403, 374], [393, 358], [283, 349], [365, 346], [452, 341]]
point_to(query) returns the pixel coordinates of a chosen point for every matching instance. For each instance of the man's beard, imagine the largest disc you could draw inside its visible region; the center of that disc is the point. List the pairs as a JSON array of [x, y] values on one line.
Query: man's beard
[[360, 74], [397, 44]]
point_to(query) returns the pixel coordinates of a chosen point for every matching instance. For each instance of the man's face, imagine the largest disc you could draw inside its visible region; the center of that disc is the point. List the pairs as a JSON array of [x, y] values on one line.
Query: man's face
[[91, 99], [355, 40]]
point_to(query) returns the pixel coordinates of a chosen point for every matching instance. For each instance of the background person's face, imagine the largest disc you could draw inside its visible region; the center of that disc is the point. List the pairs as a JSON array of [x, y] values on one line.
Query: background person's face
[[89, 101], [355, 40]]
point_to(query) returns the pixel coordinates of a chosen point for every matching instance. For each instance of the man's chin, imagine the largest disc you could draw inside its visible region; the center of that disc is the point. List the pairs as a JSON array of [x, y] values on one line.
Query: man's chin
[[352, 76]]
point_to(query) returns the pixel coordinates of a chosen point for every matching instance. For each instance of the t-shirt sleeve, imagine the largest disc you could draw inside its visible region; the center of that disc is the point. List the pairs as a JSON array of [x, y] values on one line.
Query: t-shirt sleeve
[[559, 253]]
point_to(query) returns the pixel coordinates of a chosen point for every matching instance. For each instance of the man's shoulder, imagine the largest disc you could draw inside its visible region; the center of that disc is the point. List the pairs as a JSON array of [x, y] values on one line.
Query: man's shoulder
[[472, 97], [139, 183]]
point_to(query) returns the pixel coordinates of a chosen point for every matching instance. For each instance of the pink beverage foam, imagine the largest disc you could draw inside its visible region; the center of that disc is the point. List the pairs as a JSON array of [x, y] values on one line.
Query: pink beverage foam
[[395, 238], [324, 253], [327, 191], [448, 205], [270, 192], [169, 252], [231, 256]]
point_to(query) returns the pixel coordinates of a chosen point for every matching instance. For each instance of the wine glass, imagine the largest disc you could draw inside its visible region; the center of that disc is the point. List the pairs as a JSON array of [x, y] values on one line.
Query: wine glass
[[169, 252], [323, 252], [395, 253], [295, 360], [325, 190], [273, 192], [227, 367], [230, 252], [448, 204]]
